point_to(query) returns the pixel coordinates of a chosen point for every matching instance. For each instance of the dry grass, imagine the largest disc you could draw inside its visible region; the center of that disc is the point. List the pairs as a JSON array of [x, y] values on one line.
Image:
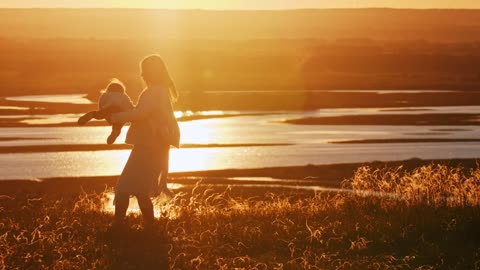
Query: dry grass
[[434, 185], [425, 219]]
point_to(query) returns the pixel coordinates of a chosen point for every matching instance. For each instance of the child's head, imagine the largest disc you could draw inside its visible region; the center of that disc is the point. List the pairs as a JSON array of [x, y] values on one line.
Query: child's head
[[115, 85], [155, 72]]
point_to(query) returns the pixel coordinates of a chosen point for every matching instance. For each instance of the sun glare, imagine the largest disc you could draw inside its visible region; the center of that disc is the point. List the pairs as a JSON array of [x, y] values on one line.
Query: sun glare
[[199, 132], [197, 156]]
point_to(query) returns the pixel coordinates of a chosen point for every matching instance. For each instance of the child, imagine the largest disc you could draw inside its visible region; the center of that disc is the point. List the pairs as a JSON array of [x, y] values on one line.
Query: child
[[113, 99]]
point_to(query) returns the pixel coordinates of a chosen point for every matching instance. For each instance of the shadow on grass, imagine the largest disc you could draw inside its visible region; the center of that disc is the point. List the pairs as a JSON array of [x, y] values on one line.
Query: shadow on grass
[[135, 248]]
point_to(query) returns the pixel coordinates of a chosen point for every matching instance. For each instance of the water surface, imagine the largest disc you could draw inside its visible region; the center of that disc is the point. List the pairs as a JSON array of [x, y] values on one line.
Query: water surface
[[70, 98], [308, 144]]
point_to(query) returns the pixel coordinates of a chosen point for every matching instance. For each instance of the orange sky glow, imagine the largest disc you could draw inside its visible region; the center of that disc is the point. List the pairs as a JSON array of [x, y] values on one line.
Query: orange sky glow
[[241, 4]]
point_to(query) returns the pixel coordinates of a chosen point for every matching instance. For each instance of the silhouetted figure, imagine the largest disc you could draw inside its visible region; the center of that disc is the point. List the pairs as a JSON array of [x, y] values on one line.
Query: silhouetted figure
[[113, 99], [153, 129]]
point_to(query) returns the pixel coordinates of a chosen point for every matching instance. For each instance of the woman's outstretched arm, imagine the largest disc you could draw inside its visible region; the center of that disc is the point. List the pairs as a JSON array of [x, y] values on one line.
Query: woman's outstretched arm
[[143, 109]]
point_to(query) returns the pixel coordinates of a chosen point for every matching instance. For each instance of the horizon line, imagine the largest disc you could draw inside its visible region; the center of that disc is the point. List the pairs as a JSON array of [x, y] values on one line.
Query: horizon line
[[230, 10]]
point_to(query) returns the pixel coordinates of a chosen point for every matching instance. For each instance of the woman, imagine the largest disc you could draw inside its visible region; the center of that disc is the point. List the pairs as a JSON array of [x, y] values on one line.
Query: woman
[[153, 129]]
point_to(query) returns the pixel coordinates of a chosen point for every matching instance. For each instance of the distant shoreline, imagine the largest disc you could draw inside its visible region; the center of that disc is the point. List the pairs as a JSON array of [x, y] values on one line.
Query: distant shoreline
[[305, 9], [403, 140], [252, 103], [118, 146], [451, 119]]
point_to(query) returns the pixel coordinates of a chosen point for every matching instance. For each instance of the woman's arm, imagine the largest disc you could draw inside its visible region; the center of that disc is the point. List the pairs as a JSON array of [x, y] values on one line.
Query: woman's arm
[[126, 103], [141, 111]]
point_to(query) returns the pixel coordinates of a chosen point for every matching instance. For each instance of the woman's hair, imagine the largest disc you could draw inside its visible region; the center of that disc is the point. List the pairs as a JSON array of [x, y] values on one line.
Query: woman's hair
[[154, 71], [115, 85]]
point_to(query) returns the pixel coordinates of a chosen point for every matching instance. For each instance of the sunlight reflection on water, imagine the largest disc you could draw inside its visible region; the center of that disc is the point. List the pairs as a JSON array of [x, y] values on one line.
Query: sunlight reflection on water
[[70, 98], [98, 163], [51, 119], [16, 108], [180, 161], [298, 145]]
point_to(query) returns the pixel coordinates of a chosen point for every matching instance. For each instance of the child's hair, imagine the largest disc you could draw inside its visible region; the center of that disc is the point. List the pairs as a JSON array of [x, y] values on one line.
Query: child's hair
[[115, 85], [155, 71]]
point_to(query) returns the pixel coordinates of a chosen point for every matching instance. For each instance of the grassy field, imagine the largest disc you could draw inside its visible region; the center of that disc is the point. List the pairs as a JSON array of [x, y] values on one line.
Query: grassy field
[[388, 218]]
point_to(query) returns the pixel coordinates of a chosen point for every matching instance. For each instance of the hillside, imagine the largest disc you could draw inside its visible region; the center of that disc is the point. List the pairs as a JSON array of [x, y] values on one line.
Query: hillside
[[432, 25], [79, 50]]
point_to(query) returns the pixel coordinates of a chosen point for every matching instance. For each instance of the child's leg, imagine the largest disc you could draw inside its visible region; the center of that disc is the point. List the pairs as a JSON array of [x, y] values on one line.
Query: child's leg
[[91, 115], [101, 114], [108, 112], [116, 130], [86, 117]]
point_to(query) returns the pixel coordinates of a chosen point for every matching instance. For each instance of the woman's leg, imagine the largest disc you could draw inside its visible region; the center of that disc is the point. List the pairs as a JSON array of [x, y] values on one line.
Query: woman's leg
[[164, 167], [146, 207], [121, 206], [162, 184]]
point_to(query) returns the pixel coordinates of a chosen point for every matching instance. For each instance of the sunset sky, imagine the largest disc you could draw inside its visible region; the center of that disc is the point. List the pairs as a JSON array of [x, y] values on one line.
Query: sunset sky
[[242, 4]]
